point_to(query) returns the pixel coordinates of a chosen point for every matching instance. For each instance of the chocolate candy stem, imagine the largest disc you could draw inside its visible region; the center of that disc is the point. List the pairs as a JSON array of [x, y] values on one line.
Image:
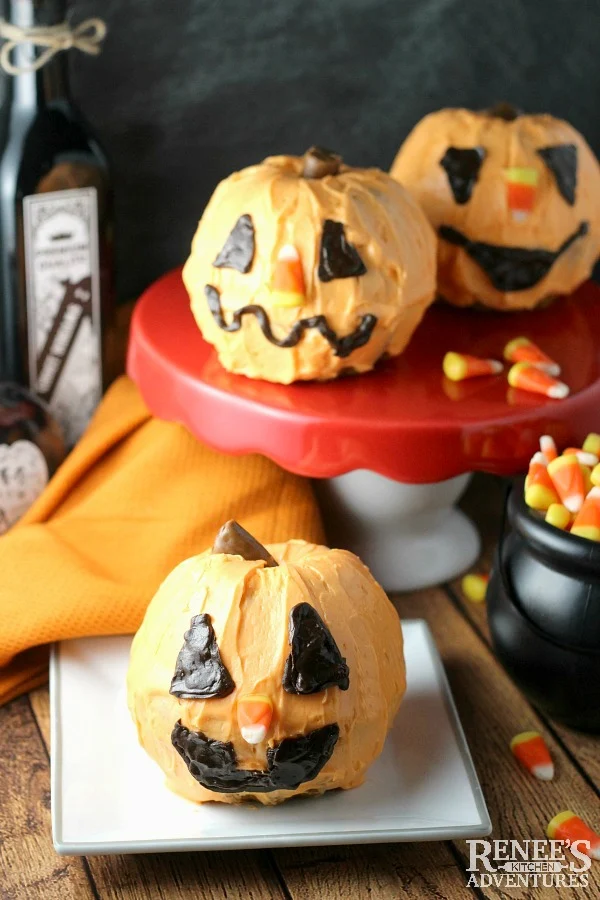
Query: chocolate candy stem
[[236, 541], [504, 110], [319, 162]]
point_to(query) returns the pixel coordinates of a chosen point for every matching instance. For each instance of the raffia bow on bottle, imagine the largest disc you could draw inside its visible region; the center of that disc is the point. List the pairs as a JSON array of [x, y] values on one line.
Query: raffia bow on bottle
[[87, 37]]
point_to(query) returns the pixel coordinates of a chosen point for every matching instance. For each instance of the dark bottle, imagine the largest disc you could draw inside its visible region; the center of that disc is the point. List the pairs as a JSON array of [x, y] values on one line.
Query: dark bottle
[[57, 301]]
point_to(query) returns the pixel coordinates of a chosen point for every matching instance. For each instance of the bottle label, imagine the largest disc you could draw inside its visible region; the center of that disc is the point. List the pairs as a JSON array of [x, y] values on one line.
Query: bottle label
[[63, 304], [23, 477]]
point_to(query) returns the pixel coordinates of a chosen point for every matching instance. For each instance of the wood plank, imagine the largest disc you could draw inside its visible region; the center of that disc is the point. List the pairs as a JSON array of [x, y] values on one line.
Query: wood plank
[[483, 502], [40, 704], [234, 875], [29, 866], [492, 710], [585, 748], [384, 871], [176, 876]]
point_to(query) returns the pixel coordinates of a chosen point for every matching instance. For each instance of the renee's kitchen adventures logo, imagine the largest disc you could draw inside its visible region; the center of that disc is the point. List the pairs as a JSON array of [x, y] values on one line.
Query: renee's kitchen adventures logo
[[528, 864]]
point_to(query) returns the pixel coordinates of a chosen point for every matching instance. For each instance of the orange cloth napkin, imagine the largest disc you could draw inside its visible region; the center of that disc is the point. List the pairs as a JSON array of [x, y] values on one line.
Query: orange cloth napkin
[[135, 497]]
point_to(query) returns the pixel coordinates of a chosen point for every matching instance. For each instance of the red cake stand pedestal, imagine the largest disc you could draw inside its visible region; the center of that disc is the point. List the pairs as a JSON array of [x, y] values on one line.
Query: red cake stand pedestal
[[394, 448]]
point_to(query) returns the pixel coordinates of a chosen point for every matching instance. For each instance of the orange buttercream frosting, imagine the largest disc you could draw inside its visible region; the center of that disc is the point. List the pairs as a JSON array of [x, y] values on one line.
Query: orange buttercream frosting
[[249, 604], [288, 212]]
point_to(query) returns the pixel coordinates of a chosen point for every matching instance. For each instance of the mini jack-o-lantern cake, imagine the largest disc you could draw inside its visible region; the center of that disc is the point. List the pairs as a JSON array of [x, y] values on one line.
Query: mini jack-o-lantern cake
[[514, 198], [305, 268], [261, 673]]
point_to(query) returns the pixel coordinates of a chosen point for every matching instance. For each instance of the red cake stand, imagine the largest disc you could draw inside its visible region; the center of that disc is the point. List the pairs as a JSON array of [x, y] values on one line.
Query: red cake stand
[[397, 445]]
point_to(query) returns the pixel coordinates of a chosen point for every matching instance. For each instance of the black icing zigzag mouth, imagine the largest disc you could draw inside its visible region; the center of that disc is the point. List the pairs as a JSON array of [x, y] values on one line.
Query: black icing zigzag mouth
[[342, 346], [511, 268], [289, 764]]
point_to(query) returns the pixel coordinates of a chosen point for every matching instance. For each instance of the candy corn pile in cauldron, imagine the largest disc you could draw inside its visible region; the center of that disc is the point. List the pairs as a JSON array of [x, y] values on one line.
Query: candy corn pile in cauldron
[[567, 487]]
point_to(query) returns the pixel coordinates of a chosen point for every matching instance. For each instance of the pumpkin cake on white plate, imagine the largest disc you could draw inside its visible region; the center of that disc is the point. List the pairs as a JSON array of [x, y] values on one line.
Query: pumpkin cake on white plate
[[263, 673], [305, 268], [514, 198]]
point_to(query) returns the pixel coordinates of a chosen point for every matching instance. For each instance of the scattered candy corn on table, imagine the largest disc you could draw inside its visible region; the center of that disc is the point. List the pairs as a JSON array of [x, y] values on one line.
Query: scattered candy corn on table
[[492, 711], [395, 448]]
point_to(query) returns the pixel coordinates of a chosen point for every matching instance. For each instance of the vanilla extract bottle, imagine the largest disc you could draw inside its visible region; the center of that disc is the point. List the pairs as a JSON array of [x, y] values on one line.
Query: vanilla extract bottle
[[57, 300]]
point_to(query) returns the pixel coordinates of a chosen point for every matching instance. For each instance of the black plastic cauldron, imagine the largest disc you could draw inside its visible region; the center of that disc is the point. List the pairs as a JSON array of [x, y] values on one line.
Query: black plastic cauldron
[[543, 604]]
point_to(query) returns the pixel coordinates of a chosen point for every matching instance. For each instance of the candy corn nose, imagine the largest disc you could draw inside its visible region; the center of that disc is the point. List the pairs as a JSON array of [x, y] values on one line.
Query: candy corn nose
[[521, 186], [254, 713], [287, 285]]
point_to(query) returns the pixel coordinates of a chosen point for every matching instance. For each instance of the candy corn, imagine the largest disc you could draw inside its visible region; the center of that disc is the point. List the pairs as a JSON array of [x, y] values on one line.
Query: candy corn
[[528, 378], [287, 285], [587, 479], [566, 488], [548, 447], [584, 456], [530, 749], [540, 492], [474, 587], [568, 827], [558, 515], [587, 458], [254, 714], [592, 444], [567, 479], [520, 191], [521, 349], [458, 366], [587, 520]]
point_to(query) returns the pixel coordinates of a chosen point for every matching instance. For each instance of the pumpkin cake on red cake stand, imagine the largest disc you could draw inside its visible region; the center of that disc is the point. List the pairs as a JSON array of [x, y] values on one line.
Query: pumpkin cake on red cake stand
[[303, 269], [396, 445]]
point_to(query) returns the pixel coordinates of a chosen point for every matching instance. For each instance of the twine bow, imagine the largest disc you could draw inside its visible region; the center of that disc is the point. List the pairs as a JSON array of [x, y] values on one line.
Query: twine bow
[[87, 37]]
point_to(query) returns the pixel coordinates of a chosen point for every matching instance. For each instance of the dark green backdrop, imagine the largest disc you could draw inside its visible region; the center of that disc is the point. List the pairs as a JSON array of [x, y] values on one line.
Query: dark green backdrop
[[188, 90]]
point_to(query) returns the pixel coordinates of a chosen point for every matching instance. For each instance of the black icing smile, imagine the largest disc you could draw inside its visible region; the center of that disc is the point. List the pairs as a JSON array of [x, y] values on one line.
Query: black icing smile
[[342, 346], [511, 268], [289, 764]]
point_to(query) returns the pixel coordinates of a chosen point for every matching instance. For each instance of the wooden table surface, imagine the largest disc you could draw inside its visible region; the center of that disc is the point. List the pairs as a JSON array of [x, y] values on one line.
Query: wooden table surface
[[492, 711]]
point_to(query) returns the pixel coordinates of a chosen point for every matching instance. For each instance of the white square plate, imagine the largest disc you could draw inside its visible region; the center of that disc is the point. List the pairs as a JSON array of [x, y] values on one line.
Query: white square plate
[[109, 797]]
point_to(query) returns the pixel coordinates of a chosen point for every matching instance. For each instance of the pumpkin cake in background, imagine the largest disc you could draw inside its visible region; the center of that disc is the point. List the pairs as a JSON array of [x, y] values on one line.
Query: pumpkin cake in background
[[261, 673], [514, 198], [305, 268]]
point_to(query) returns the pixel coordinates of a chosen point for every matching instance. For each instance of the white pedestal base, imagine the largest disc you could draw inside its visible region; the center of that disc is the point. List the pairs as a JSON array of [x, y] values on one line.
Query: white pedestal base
[[409, 535]]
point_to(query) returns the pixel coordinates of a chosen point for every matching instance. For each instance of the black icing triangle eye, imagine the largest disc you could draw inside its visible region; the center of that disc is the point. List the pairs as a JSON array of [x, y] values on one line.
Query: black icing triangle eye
[[337, 257], [462, 168], [238, 250], [562, 162], [199, 671], [315, 662]]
